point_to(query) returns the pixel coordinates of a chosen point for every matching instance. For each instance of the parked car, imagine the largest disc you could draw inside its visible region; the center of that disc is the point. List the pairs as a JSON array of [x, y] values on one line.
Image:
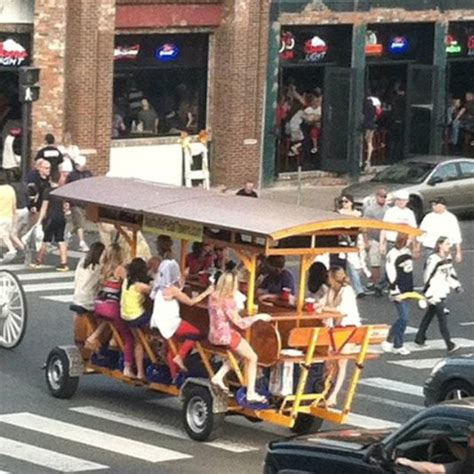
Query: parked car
[[450, 379], [424, 178], [369, 451]]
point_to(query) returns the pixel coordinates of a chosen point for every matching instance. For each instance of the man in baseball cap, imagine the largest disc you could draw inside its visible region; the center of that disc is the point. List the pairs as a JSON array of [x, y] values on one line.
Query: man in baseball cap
[[399, 213], [440, 222]]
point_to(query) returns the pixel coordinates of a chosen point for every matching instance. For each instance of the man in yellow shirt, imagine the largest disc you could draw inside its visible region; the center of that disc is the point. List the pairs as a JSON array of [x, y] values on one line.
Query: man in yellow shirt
[[7, 217]]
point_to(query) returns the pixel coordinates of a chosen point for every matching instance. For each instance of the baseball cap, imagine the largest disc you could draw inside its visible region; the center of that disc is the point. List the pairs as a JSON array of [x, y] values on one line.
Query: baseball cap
[[439, 200], [402, 195]]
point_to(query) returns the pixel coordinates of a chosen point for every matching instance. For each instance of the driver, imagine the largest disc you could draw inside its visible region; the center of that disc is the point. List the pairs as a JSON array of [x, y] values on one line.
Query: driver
[[458, 466]]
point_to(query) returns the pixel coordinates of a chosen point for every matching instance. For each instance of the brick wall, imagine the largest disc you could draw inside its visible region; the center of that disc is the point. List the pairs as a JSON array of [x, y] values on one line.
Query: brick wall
[[89, 77], [49, 53], [239, 75]]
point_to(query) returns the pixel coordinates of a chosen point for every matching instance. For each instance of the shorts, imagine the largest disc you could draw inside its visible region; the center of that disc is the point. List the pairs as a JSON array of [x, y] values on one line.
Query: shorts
[[314, 133], [78, 217], [6, 227], [235, 338], [80, 310], [375, 257], [54, 230], [142, 320]]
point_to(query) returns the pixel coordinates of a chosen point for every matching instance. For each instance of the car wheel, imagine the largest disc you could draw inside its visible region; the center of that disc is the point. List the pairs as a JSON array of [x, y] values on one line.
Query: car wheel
[[416, 206], [456, 390], [58, 380], [306, 424]]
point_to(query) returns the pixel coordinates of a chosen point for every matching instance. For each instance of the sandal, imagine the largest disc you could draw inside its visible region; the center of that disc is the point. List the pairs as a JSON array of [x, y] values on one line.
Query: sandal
[[257, 399]]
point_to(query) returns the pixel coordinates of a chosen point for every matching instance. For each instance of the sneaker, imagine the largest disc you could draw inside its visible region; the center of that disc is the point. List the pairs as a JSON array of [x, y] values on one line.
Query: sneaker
[[83, 246], [454, 348], [62, 267], [361, 295], [9, 256], [314, 150], [421, 345], [387, 346], [446, 311], [36, 265], [401, 351]]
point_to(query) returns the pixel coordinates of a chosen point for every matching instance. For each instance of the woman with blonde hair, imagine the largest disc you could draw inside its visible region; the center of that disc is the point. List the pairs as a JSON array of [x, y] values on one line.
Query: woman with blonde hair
[[340, 299], [223, 317]]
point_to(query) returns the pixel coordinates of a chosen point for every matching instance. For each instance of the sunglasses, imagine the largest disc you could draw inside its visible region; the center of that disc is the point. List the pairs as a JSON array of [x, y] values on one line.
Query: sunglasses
[[381, 195], [343, 201]]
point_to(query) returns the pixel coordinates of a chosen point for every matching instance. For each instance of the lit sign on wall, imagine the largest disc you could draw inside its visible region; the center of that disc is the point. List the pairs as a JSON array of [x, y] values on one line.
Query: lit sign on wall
[[452, 45], [12, 53], [167, 53], [287, 46], [372, 46], [398, 45], [470, 45], [126, 52], [315, 49]]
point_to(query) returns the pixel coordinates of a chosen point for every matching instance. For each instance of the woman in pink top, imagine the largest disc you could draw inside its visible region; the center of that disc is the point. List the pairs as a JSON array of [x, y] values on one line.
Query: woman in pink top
[[223, 317]]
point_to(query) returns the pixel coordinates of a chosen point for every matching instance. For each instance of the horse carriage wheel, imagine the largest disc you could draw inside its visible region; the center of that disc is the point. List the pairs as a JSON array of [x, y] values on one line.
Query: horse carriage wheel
[[13, 310]]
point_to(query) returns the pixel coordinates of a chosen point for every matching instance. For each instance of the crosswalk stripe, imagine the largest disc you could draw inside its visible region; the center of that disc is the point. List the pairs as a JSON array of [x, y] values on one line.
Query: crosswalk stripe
[[45, 276], [59, 298], [39, 287], [419, 364], [94, 438], [158, 428], [439, 344], [367, 422], [71, 253], [471, 323], [393, 386], [18, 266], [410, 330], [387, 401], [45, 457]]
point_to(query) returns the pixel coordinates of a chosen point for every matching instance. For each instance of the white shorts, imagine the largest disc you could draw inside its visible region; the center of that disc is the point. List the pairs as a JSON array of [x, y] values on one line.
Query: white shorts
[[6, 227], [375, 257]]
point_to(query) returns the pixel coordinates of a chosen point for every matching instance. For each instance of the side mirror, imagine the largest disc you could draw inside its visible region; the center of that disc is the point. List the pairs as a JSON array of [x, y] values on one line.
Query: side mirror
[[435, 180], [376, 455]]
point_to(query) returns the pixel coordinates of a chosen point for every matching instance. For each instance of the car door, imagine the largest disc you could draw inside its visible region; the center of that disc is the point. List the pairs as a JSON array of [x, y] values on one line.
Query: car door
[[466, 184], [445, 182]]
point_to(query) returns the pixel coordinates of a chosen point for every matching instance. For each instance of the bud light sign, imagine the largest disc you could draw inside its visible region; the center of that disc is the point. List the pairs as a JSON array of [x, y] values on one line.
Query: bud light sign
[[167, 53], [12, 53]]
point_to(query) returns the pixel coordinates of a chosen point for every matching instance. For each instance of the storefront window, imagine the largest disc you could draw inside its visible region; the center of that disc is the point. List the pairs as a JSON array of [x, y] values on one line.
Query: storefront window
[[160, 85]]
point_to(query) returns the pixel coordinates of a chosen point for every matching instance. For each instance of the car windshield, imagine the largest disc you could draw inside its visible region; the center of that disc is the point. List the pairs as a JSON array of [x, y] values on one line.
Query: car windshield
[[410, 172]]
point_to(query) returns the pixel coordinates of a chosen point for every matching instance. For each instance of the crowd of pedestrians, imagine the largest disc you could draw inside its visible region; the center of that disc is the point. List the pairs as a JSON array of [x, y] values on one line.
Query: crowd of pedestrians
[[31, 219]]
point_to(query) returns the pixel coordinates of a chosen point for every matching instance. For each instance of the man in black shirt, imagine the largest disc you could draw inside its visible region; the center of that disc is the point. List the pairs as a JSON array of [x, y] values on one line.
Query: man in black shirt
[[51, 153], [247, 190], [37, 181]]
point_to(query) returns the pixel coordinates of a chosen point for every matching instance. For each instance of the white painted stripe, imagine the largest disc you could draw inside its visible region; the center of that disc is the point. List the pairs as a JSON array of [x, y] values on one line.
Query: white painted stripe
[[38, 287], [386, 401], [411, 330], [439, 344], [367, 422], [393, 386], [18, 266], [59, 298], [94, 438], [419, 364], [45, 458], [70, 253], [158, 428], [46, 276], [467, 324]]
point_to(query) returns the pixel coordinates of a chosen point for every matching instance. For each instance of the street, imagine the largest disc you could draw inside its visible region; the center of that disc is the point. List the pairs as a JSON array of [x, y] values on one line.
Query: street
[[110, 427]]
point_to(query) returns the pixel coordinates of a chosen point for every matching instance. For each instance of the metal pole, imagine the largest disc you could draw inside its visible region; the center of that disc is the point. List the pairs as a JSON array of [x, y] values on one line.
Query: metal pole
[[25, 135]]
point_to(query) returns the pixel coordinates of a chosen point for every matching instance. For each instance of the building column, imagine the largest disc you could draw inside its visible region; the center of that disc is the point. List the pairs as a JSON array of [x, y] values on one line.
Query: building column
[[240, 71], [89, 78], [49, 45]]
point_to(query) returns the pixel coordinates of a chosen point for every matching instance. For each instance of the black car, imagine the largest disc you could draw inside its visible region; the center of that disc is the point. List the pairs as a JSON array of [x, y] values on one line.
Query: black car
[[450, 379], [425, 437]]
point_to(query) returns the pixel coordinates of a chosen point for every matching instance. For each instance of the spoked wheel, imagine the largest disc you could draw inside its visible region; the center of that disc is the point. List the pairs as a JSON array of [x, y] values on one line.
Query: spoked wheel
[[13, 310]]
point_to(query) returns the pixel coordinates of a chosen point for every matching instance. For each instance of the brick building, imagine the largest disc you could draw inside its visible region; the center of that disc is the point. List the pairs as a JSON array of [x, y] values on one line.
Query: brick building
[[223, 64]]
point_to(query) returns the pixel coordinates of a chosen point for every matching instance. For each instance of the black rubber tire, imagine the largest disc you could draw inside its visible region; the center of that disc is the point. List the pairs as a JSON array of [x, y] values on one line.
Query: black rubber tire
[[199, 421], [448, 391], [306, 424], [24, 310], [59, 383]]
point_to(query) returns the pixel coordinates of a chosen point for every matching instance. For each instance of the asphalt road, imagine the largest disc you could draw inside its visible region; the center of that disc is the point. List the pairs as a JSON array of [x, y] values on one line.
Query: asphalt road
[[99, 428]]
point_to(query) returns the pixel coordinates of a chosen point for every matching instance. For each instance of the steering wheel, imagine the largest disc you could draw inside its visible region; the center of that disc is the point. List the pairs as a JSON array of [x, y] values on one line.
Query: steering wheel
[[439, 450]]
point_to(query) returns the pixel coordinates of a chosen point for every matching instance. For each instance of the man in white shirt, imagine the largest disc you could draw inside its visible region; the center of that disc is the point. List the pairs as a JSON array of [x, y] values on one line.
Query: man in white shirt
[[440, 222], [398, 214]]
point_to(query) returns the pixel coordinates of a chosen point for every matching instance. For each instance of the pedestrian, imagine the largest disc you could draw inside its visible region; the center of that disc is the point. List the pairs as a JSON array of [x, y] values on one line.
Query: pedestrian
[[399, 213], [12, 153], [52, 218], [375, 210], [70, 154], [399, 268], [247, 190], [341, 299], [22, 211], [50, 152], [437, 223], [78, 215], [353, 264], [7, 217], [439, 278], [38, 183]]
